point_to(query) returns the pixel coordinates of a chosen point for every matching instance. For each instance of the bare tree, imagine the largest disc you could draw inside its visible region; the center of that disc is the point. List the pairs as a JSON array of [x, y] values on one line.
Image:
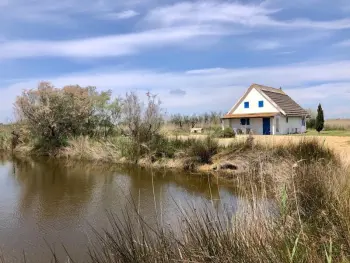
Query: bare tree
[[143, 122]]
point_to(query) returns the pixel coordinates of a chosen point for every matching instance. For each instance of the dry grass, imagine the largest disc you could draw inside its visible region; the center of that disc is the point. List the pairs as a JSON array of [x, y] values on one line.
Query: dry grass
[[336, 124], [340, 144], [84, 148], [305, 218]]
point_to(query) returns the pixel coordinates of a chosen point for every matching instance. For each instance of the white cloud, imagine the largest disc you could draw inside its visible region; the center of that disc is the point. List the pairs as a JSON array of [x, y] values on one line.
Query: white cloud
[[251, 16], [211, 89], [121, 15], [108, 46], [21, 8]]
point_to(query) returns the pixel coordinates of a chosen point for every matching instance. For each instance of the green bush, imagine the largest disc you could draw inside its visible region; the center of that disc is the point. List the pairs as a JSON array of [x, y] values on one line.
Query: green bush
[[228, 133], [204, 150], [311, 123]]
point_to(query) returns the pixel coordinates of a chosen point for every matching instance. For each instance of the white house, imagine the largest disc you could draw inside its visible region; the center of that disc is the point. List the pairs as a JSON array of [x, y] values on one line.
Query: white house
[[266, 110]]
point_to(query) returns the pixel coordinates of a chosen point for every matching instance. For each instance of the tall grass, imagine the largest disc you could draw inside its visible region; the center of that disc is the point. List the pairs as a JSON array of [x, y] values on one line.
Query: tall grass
[[297, 212], [308, 221]]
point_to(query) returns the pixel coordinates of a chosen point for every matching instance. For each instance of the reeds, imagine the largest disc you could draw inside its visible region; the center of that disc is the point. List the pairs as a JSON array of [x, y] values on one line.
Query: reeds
[[306, 220]]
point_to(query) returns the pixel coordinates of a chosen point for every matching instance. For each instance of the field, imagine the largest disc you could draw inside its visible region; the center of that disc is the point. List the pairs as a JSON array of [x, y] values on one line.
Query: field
[[338, 124]]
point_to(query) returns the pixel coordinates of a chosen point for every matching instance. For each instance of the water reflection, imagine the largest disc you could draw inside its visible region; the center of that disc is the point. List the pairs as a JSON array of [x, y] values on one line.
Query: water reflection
[[57, 201]]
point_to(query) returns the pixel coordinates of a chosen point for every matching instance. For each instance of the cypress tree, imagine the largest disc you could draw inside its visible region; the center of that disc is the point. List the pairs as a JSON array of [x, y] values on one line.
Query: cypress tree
[[319, 119]]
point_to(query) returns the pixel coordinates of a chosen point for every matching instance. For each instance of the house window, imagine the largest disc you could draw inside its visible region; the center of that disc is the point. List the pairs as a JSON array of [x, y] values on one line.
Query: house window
[[287, 120], [303, 121], [245, 121], [246, 105], [261, 104]]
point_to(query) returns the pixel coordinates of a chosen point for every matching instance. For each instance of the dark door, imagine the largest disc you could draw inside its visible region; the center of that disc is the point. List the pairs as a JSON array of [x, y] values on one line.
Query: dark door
[[266, 126]]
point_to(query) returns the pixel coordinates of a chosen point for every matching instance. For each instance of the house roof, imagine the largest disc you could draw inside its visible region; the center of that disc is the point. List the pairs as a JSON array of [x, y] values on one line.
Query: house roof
[[250, 115], [278, 98], [283, 101]]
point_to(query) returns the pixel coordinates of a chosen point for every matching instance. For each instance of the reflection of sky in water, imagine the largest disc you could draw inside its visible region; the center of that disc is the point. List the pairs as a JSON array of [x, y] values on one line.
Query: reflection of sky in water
[[59, 203]]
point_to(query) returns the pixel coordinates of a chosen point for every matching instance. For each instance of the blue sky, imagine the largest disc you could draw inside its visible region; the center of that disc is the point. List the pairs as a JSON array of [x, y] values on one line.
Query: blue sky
[[196, 55]]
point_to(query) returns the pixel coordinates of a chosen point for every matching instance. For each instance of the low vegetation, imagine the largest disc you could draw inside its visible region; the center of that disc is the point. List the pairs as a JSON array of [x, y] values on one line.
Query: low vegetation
[[306, 219], [295, 211]]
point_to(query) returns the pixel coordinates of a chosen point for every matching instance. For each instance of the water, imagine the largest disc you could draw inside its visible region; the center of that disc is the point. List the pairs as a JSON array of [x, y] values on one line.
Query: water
[[49, 203]]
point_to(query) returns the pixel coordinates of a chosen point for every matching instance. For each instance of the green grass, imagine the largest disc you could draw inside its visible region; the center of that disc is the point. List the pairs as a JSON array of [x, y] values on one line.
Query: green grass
[[327, 133]]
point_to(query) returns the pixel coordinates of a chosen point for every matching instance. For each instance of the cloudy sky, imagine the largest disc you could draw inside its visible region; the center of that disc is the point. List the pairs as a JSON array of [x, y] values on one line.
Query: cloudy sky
[[196, 55]]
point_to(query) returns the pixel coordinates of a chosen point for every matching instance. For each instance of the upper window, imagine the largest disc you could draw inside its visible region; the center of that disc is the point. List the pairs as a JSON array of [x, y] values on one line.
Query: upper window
[[261, 104], [246, 105], [287, 120]]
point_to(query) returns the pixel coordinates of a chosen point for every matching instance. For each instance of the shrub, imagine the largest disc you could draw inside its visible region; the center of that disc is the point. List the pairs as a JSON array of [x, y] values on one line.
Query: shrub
[[204, 150], [143, 123], [226, 133], [5, 141], [311, 123], [53, 115]]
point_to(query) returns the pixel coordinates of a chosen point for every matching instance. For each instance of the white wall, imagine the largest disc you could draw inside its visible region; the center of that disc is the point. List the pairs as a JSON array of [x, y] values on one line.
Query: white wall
[[253, 98], [256, 125], [293, 124]]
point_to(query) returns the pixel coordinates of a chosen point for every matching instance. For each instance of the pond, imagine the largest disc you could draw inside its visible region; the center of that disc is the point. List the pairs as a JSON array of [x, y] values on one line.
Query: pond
[[48, 203]]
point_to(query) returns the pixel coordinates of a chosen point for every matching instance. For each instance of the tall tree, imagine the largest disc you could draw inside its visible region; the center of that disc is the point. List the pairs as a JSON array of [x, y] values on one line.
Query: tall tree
[[319, 119]]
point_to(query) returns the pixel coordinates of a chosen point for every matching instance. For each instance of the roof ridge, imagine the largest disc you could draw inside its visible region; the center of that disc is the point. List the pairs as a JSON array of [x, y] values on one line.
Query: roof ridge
[[268, 88]]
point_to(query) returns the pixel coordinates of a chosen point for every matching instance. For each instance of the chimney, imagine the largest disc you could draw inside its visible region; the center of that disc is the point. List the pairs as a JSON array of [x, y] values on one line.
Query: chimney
[[280, 88]]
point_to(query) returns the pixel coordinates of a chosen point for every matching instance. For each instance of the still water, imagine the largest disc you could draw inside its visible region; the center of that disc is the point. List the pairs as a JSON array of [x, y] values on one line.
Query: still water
[[48, 202]]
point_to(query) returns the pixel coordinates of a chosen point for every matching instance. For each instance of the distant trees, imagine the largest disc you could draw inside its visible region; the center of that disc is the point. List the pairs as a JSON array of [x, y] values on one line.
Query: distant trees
[[191, 121], [319, 124]]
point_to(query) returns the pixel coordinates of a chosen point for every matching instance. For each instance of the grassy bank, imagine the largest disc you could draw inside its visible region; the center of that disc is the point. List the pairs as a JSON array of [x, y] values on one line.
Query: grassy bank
[[309, 220], [305, 216]]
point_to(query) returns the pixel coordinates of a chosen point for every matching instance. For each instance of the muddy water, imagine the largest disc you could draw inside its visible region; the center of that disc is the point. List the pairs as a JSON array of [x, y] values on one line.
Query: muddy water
[[49, 203]]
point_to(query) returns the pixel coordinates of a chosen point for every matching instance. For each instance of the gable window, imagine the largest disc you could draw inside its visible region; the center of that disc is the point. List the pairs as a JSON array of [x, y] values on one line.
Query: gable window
[[246, 105], [245, 121], [261, 104]]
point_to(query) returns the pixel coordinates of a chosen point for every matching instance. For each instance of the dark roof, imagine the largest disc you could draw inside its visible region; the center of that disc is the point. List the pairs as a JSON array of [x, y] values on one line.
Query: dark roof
[[286, 103]]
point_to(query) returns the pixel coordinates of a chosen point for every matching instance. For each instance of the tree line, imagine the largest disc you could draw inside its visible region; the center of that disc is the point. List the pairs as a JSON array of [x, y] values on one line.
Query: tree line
[[206, 119], [53, 115]]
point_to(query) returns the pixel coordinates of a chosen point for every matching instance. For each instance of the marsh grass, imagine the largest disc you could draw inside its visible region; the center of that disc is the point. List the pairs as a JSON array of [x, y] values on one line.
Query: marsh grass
[[306, 220], [298, 213]]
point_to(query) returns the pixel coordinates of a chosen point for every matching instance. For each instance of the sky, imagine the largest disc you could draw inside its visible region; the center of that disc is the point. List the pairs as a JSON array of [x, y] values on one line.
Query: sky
[[196, 56]]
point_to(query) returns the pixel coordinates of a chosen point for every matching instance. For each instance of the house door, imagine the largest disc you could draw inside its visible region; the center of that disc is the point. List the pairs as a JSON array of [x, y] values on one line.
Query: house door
[[266, 126]]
